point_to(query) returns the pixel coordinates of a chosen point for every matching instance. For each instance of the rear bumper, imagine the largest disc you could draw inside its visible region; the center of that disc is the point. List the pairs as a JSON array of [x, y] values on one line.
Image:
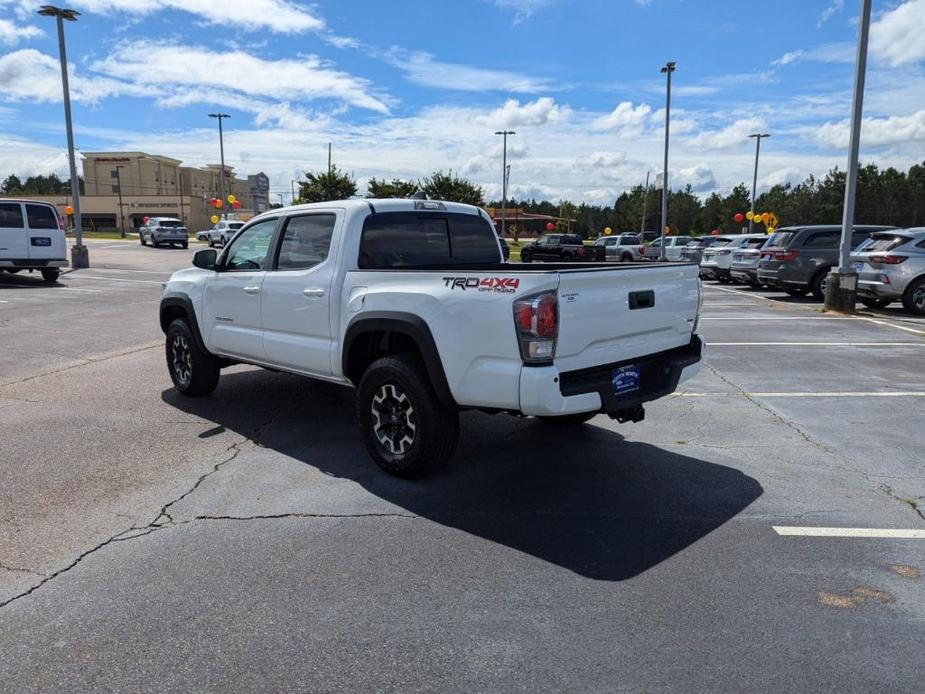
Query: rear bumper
[[33, 263], [546, 392], [713, 272], [879, 290], [744, 274]]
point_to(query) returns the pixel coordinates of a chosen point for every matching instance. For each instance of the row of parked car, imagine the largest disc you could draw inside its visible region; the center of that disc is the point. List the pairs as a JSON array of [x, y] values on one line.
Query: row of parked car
[[890, 262]]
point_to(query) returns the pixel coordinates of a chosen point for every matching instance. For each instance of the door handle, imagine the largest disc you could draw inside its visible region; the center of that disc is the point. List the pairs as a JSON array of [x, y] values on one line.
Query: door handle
[[313, 292], [252, 289]]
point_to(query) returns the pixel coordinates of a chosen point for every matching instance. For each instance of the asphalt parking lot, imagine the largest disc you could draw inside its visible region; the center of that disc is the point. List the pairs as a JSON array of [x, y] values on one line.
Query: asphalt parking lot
[[244, 542]]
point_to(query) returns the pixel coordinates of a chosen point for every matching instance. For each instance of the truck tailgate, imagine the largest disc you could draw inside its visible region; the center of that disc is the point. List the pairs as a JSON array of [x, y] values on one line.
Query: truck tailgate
[[612, 315]]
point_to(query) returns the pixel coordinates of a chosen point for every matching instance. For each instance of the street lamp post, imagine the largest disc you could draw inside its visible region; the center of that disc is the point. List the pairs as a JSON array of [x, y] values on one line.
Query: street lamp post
[[504, 134], [80, 255], [757, 136], [121, 209], [221, 150], [842, 285], [667, 70]]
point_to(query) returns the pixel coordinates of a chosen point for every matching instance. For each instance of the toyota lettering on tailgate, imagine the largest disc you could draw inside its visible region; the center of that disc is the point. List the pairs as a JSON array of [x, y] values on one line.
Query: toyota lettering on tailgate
[[504, 285]]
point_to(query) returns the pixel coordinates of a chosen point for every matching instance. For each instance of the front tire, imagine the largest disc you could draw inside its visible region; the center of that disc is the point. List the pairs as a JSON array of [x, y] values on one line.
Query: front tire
[[914, 297], [875, 303], [51, 276], [796, 291], [154, 242], [194, 372], [408, 432]]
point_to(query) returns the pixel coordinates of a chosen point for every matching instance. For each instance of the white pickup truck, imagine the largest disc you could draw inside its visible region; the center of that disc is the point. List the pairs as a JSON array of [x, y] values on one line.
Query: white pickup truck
[[411, 302]]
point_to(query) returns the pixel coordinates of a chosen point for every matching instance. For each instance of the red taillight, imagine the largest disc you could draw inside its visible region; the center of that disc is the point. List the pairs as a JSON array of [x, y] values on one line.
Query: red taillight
[[887, 259], [536, 319], [61, 224], [642, 249], [785, 256], [581, 250]]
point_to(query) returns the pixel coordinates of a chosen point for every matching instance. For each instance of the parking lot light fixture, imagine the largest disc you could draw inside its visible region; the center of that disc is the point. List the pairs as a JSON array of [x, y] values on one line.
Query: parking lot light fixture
[[80, 256], [504, 177], [757, 136], [221, 151], [668, 68]]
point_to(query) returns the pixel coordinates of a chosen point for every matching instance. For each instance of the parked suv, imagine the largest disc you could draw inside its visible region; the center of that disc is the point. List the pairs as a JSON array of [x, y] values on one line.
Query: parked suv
[[673, 247], [160, 230], [716, 262], [623, 248], [891, 267], [744, 267], [693, 252], [223, 231], [31, 238], [798, 259]]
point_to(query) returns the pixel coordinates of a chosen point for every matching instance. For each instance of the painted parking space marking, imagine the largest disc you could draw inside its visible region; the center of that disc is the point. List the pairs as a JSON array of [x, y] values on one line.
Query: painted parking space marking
[[846, 318], [830, 394], [886, 533], [116, 279], [816, 344]]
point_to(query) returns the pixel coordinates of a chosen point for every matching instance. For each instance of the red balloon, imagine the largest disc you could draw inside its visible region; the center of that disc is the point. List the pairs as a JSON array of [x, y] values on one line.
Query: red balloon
[[739, 217], [236, 204], [146, 219], [550, 226], [715, 232]]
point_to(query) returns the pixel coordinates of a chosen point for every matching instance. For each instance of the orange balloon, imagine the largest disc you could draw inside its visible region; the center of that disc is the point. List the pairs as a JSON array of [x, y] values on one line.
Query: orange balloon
[[68, 210]]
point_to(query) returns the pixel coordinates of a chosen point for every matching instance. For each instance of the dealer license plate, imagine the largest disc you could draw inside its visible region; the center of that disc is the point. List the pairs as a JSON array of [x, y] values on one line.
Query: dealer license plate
[[625, 379], [858, 267]]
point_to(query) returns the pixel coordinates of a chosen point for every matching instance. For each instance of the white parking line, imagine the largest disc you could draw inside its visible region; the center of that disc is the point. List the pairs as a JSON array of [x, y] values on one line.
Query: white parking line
[[115, 279], [816, 344], [831, 394], [889, 533], [893, 325], [777, 317], [738, 291]]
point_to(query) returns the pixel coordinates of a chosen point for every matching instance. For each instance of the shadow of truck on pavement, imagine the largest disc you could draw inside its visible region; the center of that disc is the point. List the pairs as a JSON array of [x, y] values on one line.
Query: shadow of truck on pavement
[[584, 499]]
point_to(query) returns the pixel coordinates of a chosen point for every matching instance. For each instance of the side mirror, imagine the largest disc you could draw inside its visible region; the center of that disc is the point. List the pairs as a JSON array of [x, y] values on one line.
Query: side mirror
[[205, 258]]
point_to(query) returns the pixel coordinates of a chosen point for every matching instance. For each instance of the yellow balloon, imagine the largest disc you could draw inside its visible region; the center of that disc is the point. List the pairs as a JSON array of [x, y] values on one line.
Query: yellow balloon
[[214, 219], [231, 199], [607, 231], [749, 214]]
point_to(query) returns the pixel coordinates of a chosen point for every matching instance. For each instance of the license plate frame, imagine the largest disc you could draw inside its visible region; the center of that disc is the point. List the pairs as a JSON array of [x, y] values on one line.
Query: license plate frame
[[625, 379], [858, 267]]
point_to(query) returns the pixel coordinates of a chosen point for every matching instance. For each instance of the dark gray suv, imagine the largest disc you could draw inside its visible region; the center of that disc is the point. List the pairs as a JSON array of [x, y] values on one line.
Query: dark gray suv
[[798, 259]]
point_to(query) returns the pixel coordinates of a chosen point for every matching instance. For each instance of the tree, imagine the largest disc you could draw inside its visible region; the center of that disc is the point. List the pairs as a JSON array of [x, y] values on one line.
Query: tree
[[11, 184], [683, 211], [396, 188], [452, 188], [327, 185]]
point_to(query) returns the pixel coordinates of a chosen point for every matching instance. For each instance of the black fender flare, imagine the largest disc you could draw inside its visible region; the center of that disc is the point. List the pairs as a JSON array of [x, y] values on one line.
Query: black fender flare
[[406, 324], [172, 300]]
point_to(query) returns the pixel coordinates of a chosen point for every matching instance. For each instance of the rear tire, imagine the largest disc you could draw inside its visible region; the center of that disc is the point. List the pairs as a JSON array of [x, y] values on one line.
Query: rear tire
[[914, 297], [408, 432], [525, 257], [796, 291], [194, 372], [566, 257], [876, 303], [185, 244], [51, 276], [211, 243], [154, 242], [626, 258], [818, 283], [569, 420]]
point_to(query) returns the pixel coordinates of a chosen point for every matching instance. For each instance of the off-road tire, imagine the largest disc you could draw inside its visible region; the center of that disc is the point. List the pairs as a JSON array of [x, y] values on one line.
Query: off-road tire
[[568, 420], [399, 384], [194, 372], [875, 303], [51, 276], [914, 297]]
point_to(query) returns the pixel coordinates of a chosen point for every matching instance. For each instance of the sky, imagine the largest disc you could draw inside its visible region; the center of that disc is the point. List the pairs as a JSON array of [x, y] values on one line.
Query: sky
[[407, 87]]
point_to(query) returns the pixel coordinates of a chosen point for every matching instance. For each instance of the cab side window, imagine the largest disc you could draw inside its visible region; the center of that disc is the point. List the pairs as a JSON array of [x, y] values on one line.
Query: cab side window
[[306, 241], [251, 248]]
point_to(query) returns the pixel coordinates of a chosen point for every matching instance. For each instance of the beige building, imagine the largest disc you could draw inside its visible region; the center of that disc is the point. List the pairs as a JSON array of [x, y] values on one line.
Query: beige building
[[125, 187]]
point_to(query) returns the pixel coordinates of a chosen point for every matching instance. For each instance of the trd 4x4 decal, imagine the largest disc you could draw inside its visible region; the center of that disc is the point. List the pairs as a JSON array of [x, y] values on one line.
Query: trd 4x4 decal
[[505, 285]]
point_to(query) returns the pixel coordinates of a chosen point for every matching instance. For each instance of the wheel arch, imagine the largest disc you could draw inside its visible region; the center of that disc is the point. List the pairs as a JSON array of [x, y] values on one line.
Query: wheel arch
[[379, 333], [175, 306]]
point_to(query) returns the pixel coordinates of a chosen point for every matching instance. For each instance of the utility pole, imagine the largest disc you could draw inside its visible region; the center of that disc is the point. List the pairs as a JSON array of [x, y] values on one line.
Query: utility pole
[[121, 212], [504, 134], [757, 136], [842, 285], [221, 149], [80, 254], [645, 199], [667, 70], [292, 187], [329, 158]]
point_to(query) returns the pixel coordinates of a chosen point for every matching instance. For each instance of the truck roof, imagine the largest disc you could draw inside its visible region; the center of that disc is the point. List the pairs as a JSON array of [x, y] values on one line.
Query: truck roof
[[384, 205]]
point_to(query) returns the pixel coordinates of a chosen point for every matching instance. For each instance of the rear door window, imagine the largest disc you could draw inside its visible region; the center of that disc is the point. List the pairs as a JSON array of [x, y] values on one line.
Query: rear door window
[[306, 241], [755, 243], [11, 216], [472, 239], [779, 239], [404, 239], [822, 239], [170, 224], [41, 217]]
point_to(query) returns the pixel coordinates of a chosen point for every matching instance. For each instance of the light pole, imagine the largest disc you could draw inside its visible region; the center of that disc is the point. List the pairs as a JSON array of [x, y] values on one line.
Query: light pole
[[757, 136], [667, 70], [645, 199], [121, 213], [842, 285], [504, 134], [80, 255], [221, 150]]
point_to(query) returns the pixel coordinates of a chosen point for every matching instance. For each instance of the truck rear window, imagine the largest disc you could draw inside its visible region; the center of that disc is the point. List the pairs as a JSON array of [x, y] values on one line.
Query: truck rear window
[[425, 239]]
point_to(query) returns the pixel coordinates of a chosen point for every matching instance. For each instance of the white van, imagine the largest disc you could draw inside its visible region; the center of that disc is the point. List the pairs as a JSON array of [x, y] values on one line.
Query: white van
[[31, 238]]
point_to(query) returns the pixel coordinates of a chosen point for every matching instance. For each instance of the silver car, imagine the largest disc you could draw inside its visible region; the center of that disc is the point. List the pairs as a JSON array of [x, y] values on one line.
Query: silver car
[[891, 267], [623, 248], [744, 267], [161, 230]]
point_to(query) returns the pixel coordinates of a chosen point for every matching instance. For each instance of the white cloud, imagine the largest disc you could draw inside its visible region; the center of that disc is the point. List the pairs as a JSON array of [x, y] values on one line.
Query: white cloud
[[512, 114], [421, 68], [157, 65], [840, 52], [281, 16], [607, 159], [12, 33], [782, 176], [625, 118], [700, 178], [733, 135], [896, 37], [522, 8], [830, 11], [875, 132]]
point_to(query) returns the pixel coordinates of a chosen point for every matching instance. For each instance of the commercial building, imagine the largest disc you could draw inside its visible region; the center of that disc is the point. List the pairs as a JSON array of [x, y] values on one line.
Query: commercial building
[[122, 188]]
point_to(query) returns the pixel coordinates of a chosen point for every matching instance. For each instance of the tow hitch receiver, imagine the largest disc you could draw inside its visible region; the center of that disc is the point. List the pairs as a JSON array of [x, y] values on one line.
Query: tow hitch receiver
[[630, 414]]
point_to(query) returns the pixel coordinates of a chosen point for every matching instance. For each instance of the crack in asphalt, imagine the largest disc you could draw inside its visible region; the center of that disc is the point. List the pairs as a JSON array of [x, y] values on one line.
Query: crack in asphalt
[[913, 503]]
